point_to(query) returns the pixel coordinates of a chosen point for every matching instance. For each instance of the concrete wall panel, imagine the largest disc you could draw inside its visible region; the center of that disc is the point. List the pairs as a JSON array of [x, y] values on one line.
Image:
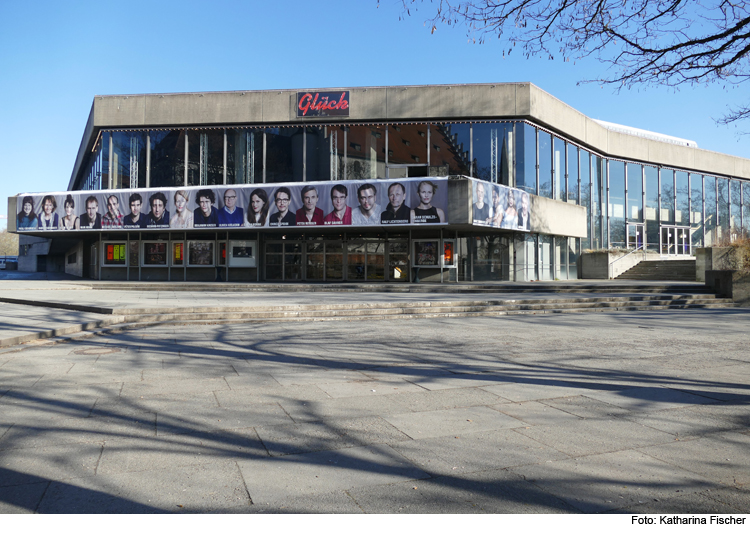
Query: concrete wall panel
[[120, 110], [278, 106], [636, 148], [368, 103], [557, 217], [551, 112]]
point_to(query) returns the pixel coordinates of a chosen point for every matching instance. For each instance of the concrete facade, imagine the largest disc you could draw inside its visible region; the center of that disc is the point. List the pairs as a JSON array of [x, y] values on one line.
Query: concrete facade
[[392, 104]]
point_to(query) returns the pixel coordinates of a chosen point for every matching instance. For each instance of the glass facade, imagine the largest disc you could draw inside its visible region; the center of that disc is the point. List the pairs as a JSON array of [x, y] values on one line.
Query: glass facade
[[621, 198]]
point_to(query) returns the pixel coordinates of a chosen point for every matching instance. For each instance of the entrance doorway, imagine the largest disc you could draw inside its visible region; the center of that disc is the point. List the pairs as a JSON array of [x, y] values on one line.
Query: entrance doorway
[[675, 240], [319, 259], [635, 235]]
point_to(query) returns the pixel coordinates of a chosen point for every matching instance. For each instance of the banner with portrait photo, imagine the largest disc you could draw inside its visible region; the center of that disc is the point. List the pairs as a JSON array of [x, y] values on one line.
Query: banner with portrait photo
[[499, 206], [394, 202]]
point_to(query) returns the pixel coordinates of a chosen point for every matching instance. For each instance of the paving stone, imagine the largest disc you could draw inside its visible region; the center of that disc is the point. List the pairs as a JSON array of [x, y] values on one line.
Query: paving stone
[[192, 489], [451, 422], [607, 482], [321, 376], [723, 457], [595, 436], [141, 454], [23, 466], [368, 387], [274, 480], [174, 386], [21, 499], [493, 492], [331, 434], [446, 398], [335, 502], [689, 503], [683, 422], [586, 407], [456, 455], [217, 418], [304, 410], [535, 413], [649, 398], [533, 392]]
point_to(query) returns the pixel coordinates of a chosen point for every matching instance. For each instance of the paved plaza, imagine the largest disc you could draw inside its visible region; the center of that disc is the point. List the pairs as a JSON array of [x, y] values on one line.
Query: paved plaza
[[637, 412]]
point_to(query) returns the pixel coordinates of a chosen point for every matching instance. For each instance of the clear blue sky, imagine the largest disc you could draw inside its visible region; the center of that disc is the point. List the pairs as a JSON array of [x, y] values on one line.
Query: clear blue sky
[[56, 56]]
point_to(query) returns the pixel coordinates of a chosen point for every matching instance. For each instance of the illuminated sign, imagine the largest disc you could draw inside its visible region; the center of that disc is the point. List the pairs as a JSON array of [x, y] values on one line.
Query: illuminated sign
[[323, 104]]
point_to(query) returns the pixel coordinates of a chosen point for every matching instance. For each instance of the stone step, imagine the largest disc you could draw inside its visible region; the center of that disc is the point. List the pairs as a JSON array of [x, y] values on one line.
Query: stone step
[[417, 304], [211, 318], [416, 310]]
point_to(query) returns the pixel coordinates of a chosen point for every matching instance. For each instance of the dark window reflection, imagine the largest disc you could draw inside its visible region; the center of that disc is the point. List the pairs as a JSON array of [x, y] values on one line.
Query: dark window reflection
[[365, 152], [128, 159], [449, 149], [205, 157], [244, 156], [525, 137], [493, 149], [279, 167], [167, 158]]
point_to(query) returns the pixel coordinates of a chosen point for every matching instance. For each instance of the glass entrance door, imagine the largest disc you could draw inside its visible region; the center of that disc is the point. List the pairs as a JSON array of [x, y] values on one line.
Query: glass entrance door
[[635, 236], [675, 240], [284, 260], [325, 260], [365, 259]]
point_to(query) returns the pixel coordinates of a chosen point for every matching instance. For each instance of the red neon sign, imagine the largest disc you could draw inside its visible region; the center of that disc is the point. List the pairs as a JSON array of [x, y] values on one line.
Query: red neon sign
[[323, 104]]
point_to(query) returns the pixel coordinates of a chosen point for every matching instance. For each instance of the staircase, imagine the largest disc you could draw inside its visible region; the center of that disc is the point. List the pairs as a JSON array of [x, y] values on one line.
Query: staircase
[[670, 270]]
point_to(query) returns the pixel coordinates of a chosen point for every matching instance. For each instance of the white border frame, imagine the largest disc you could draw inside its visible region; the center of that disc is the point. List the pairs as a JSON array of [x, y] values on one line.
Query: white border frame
[[184, 253], [104, 252], [438, 255], [237, 242], [213, 253], [143, 253]]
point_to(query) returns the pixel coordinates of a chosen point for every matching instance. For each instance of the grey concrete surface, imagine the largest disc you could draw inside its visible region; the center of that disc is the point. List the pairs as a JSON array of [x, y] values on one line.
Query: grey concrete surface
[[588, 413]]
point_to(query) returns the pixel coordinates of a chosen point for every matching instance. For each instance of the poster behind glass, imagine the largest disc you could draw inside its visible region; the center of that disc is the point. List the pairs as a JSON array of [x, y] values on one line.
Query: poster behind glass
[[499, 206], [422, 201]]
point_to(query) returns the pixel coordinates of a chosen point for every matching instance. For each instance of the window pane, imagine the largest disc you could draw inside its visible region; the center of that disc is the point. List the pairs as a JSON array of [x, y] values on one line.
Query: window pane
[[244, 156], [696, 209], [585, 167], [525, 157], [682, 213], [167, 158], [558, 164], [407, 144], [652, 204], [572, 173], [735, 226], [449, 148], [635, 193], [278, 166], [318, 156], [709, 194], [545, 164], [722, 234], [205, 157], [598, 197], [617, 203], [745, 208], [666, 211], [365, 153], [493, 149], [128, 159]]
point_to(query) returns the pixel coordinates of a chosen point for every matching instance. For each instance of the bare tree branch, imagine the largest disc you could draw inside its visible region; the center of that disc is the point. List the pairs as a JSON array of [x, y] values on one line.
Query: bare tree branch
[[641, 42]]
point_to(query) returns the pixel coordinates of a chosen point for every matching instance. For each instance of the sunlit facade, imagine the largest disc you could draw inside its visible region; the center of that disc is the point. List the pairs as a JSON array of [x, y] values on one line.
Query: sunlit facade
[[682, 200]]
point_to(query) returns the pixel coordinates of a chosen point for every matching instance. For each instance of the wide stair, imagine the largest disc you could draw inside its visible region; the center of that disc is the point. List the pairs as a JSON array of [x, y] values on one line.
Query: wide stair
[[606, 299], [667, 270]]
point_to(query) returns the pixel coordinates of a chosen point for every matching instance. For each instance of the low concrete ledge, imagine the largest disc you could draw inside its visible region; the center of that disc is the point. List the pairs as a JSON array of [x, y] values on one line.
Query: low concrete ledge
[[729, 284]]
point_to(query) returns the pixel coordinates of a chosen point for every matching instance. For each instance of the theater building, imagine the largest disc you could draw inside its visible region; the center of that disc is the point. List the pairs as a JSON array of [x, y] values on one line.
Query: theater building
[[488, 182]]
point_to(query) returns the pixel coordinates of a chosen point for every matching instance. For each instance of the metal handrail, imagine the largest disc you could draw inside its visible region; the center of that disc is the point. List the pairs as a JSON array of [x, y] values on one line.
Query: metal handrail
[[609, 269]]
